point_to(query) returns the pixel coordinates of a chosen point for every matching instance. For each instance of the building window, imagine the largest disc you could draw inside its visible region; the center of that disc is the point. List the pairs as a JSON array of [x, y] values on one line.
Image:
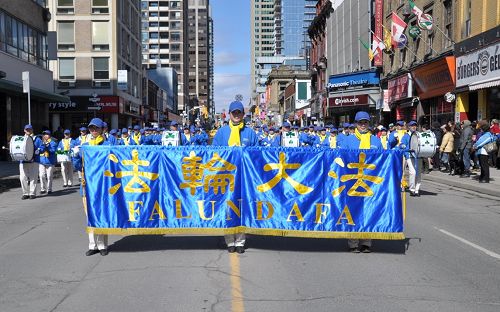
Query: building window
[[100, 68], [66, 36], [66, 69], [65, 7], [468, 15], [448, 23], [100, 37], [100, 7]]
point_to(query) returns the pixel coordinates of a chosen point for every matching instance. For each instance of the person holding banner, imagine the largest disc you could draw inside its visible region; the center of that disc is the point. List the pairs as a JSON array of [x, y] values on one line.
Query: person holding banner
[[361, 139], [235, 134], [126, 139], [28, 171], [98, 243], [65, 146]]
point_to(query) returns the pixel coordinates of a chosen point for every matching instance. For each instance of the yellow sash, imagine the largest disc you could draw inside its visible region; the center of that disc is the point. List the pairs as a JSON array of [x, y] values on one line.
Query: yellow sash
[[234, 137], [333, 141], [66, 144], [96, 141], [383, 139], [364, 139], [46, 153]]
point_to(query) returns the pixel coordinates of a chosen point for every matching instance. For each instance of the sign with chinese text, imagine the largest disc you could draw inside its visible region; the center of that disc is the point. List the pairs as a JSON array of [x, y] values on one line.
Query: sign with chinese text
[[223, 190], [400, 88]]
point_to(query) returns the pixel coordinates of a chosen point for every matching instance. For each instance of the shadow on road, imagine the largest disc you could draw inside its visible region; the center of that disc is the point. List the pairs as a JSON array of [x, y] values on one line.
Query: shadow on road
[[158, 242]]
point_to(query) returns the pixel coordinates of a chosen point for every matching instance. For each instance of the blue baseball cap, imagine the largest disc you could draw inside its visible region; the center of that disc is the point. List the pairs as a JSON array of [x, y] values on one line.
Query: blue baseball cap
[[333, 129], [236, 105], [383, 129], [412, 123], [97, 122], [124, 130], [47, 132], [173, 123], [112, 131], [67, 131], [286, 124], [346, 125], [83, 129], [361, 115], [137, 127], [141, 131], [400, 123], [28, 126]]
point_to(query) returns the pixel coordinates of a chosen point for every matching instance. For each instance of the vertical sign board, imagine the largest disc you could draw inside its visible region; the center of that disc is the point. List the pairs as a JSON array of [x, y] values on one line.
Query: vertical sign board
[[379, 13], [122, 80]]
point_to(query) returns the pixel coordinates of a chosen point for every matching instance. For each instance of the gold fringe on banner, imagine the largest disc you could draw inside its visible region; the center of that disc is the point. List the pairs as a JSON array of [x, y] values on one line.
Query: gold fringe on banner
[[242, 229]]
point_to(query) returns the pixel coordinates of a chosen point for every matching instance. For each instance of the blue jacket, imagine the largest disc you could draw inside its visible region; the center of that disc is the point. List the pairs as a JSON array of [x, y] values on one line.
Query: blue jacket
[[191, 141], [60, 146], [352, 142], [485, 138], [275, 141], [392, 143], [49, 148], [247, 137]]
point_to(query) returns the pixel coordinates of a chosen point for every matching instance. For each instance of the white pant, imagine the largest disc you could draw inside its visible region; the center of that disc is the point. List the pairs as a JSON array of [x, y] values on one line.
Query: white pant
[[46, 177], [415, 172], [235, 240], [354, 243], [98, 241], [67, 172], [79, 175], [28, 174]]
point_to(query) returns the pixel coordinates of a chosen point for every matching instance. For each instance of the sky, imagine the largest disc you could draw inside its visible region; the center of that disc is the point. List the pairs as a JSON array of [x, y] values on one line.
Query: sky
[[231, 51]]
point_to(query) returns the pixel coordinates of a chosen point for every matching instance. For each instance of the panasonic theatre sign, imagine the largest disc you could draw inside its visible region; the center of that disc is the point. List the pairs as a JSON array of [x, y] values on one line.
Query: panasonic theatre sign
[[352, 80], [480, 66]]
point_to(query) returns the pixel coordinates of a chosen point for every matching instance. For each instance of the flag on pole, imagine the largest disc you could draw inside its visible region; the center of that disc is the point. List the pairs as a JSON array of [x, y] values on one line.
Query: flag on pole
[[377, 46], [370, 52], [387, 39], [415, 10], [397, 28]]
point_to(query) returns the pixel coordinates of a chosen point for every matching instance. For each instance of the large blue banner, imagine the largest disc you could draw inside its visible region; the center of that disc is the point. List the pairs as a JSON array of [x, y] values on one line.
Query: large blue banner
[[303, 192]]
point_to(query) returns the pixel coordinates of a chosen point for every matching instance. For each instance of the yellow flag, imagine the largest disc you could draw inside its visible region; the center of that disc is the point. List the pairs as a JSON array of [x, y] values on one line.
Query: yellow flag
[[387, 39]]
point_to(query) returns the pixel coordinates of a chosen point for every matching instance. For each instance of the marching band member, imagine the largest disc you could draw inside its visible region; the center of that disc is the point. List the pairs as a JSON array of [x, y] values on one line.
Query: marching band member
[[28, 171], [84, 136], [333, 137], [98, 243], [414, 165], [47, 161], [361, 139], [323, 138], [187, 137], [113, 137], [383, 137], [65, 145], [273, 138], [235, 134], [126, 139], [137, 135]]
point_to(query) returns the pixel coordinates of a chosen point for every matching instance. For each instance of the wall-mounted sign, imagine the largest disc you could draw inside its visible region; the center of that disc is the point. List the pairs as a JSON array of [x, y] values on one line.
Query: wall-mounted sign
[[103, 104], [478, 67], [122, 83], [353, 80], [348, 100], [400, 88]]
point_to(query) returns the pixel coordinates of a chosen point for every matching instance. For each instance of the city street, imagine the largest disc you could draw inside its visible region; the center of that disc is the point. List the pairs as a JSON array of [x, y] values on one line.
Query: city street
[[450, 261]]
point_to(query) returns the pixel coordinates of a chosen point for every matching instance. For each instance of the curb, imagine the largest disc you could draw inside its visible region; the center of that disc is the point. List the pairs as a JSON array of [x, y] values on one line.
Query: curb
[[493, 191]]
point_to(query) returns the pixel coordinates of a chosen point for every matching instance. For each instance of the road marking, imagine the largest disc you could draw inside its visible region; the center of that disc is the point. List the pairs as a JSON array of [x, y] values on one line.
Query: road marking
[[236, 293], [463, 240]]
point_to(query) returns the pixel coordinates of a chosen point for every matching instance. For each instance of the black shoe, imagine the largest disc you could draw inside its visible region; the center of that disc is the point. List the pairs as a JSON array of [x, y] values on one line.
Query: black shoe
[[91, 252], [103, 252], [43, 192], [231, 249], [32, 196], [240, 249], [417, 194], [465, 175], [365, 249], [49, 192], [484, 181], [412, 194], [354, 250], [65, 185], [25, 197]]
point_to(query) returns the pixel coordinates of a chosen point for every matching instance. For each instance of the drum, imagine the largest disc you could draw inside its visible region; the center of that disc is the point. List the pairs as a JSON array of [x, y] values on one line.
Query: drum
[[22, 148], [170, 138], [63, 157], [423, 144], [290, 139]]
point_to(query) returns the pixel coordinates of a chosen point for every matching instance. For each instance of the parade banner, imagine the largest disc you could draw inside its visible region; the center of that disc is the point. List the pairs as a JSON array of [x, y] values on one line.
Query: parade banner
[[301, 192]]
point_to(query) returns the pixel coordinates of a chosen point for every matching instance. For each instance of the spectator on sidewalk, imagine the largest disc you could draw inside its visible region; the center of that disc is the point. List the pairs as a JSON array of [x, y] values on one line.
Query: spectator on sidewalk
[[438, 133], [465, 147], [486, 137], [446, 148]]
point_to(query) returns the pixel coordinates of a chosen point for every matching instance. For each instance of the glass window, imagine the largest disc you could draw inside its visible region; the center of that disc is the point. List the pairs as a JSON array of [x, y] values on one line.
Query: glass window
[[100, 36], [100, 7], [66, 35], [67, 69], [101, 68], [65, 7]]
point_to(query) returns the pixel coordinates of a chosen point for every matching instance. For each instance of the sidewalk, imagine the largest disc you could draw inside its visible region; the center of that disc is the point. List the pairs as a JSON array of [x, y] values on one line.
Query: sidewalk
[[472, 184], [9, 169]]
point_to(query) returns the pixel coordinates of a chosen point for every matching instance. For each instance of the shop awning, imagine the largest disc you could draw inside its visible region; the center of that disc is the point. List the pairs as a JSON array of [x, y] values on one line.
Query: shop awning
[[45, 96], [485, 84]]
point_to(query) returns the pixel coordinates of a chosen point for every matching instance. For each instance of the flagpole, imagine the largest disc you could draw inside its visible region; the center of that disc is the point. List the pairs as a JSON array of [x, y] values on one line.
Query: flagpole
[[408, 47], [446, 36], [390, 51]]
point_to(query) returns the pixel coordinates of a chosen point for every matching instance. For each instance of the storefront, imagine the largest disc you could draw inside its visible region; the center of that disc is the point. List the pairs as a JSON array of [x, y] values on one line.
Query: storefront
[[478, 77], [350, 93], [433, 81], [81, 109], [400, 97]]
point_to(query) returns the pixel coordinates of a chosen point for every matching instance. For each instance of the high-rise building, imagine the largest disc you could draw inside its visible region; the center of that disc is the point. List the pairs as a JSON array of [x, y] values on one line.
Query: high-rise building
[[23, 47], [199, 27], [98, 61], [165, 40], [262, 36], [292, 18]]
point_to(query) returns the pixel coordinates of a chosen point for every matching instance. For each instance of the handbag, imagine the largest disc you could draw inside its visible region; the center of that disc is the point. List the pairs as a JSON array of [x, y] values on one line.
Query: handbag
[[491, 147]]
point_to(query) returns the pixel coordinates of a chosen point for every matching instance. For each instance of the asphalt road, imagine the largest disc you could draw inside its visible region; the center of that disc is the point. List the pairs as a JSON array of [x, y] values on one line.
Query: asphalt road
[[449, 262]]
